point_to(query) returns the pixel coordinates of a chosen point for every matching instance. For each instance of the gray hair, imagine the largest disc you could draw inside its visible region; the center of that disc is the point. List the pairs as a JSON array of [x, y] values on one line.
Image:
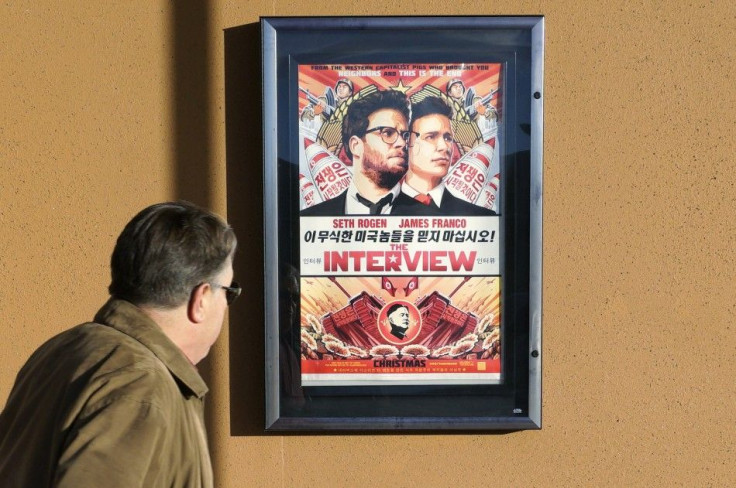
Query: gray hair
[[166, 251]]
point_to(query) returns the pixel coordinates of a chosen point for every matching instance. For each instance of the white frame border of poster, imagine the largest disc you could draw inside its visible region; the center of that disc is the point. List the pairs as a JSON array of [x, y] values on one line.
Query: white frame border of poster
[[514, 405]]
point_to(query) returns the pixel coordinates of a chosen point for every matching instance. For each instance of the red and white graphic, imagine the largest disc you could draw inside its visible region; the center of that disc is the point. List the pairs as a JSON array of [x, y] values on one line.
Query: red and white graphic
[[411, 286], [451, 335], [399, 322], [306, 187], [467, 178], [330, 175], [387, 285]]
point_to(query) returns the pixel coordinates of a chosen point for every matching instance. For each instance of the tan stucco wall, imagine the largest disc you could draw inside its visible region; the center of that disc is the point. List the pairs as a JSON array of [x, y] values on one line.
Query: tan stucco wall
[[107, 108]]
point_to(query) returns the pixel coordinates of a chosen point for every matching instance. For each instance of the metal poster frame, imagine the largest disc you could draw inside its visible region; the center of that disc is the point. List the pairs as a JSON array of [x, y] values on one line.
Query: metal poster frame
[[301, 392]]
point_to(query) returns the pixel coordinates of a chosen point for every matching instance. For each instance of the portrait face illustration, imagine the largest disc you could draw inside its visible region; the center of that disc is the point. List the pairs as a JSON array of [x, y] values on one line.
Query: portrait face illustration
[[384, 163], [399, 322], [457, 90], [342, 90], [431, 149]]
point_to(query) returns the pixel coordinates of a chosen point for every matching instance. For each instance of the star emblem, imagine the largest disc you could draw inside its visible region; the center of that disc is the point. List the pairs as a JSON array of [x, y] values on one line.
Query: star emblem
[[401, 87]]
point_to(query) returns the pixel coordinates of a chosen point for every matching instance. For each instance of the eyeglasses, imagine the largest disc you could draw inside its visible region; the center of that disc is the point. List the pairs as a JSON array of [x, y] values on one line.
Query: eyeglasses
[[390, 134], [434, 138], [231, 292]]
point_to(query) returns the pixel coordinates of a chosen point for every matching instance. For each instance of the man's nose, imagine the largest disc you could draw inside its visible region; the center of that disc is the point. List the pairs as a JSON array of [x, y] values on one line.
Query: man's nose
[[442, 144]]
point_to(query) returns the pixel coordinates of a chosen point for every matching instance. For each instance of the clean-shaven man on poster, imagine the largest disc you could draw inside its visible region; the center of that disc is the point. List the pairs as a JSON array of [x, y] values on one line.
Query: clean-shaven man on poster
[[431, 146], [398, 319], [374, 133]]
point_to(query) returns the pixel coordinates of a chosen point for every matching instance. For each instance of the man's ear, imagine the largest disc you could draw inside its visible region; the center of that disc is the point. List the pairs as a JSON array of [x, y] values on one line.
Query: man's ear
[[198, 302], [356, 146]]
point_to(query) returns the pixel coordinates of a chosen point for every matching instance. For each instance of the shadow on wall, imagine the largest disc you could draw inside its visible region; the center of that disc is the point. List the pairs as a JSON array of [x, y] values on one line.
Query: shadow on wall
[[191, 81], [190, 24], [190, 108], [244, 150]]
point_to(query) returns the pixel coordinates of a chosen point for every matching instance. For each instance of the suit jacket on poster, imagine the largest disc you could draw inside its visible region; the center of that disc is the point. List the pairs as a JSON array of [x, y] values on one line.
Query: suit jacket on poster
[[333, 206], [451, 206], [404, 205]]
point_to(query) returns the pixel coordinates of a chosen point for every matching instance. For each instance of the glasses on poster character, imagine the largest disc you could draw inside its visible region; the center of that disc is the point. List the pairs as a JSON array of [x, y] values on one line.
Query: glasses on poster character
[[231, 292], [390, 134], [433, 138]]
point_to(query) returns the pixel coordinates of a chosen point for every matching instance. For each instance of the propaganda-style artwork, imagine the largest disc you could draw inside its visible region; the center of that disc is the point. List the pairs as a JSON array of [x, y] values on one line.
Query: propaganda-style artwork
[[434, 264], [402, 203]]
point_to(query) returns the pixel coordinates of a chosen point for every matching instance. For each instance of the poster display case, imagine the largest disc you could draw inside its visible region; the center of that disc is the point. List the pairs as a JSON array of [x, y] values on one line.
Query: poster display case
[[403, 222]]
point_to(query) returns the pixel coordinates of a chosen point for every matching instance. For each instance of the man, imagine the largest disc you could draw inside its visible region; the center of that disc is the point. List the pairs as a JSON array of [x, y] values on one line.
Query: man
[[456, 89], [398, 319], [343, 89], [431, 146], [326, 105], [373, 134], [118, 402], [469, 104]]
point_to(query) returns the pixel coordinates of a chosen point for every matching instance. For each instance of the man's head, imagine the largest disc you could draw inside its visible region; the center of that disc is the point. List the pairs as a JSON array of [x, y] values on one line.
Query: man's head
[[431, 142], [174, 261], [166, 251], [455, 88], [372, 133], [343, 88], [398, 319]]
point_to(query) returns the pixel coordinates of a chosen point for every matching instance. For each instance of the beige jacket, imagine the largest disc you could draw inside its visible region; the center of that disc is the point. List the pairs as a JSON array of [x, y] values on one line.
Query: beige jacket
[[112, 403]]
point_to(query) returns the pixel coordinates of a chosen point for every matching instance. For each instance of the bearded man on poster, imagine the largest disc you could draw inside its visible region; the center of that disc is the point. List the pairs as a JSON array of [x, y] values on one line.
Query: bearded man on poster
[[374, 137], [118, 402]]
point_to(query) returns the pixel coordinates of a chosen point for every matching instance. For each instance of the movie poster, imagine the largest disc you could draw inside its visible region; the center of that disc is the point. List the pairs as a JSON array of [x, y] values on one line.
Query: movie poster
[[399, 224]]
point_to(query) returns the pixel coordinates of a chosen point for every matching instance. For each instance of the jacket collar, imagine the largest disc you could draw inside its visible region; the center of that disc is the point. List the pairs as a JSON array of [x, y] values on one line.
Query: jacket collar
[[125, 317]]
